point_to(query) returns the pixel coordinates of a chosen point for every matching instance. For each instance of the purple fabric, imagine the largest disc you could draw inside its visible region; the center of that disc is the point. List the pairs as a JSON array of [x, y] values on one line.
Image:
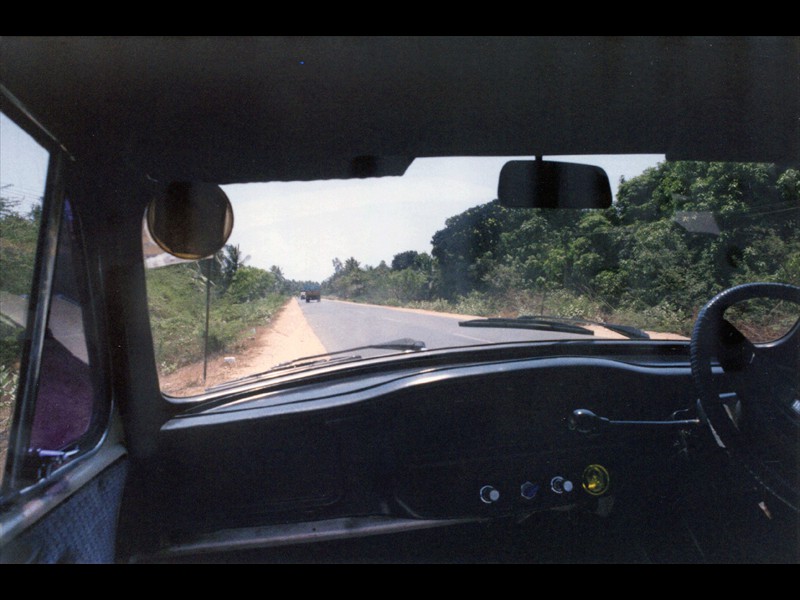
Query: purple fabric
[[65, 401]]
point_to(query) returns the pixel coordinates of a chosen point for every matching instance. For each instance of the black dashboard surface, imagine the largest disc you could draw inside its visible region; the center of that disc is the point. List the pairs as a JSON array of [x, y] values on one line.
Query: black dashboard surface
[[467, 441], [470, 460]]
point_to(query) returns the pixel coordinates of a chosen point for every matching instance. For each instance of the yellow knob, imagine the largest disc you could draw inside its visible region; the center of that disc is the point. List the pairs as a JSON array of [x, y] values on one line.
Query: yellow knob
[[596, 480]]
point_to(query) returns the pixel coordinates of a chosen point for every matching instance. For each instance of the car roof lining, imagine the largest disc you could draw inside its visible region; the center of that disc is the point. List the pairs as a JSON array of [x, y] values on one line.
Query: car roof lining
[[245, 109]]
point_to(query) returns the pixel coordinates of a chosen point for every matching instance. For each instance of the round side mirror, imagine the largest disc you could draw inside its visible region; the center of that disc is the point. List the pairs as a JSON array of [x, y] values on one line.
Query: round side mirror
[[190, 220]]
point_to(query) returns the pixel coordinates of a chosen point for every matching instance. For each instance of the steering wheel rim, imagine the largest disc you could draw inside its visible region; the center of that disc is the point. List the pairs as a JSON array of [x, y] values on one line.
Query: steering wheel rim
[[705, 341]]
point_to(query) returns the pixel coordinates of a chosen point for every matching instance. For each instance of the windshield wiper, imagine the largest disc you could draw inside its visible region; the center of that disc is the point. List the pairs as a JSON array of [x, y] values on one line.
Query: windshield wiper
[[327, 358], [557, 324], [403, 344]]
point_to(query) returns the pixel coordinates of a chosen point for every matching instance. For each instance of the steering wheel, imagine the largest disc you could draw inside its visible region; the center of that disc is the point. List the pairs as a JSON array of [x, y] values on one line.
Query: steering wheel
[[757, 418]]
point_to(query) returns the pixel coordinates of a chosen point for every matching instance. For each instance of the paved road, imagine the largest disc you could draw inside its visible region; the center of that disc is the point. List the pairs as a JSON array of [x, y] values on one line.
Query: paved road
[[65, 323], [341, 325]]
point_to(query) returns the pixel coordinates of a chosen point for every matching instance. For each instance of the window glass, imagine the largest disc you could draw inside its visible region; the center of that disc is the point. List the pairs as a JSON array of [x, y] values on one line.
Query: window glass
[[763, 320], [316, 267], [23, 172], [65, 400]]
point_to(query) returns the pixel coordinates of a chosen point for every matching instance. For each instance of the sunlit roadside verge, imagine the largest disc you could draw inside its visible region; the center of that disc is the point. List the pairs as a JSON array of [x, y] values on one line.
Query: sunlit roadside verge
[[282, 337]]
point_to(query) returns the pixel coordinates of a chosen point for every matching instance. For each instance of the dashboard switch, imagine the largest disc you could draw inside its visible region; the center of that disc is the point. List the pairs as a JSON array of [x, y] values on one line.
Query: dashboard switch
[[559, 485], [596, 480], [489, 494], [529, 490]]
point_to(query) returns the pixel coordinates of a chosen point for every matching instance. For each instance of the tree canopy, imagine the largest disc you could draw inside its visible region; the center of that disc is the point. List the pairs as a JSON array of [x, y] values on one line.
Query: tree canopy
[[677, 234]]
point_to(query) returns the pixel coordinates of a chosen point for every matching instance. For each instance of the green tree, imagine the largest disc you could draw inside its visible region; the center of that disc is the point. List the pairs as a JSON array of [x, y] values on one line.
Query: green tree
[[251, 283], [466, 238], [230, 259], [408, 285], [282, 285], [351, 265], [18, 238], [406, 260]]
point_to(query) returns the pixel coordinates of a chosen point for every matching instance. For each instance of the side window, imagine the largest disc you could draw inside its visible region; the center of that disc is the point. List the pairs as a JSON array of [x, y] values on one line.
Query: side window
[[49, 405], [65, 399], [23, 172]]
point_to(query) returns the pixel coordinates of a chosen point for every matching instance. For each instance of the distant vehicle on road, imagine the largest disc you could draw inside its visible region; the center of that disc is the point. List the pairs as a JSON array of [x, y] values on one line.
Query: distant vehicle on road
[[313, 293]]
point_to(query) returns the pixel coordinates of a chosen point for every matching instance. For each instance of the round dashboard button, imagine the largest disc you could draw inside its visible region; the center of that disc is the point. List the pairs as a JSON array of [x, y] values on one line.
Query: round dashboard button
[[489, 494]]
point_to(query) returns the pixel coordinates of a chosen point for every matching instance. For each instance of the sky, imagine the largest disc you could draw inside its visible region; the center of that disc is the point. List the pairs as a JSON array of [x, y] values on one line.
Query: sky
[[23, 166], [302, 226]]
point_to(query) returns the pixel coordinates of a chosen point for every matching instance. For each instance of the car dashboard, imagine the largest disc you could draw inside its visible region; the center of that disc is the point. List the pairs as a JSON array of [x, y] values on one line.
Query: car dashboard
[[424, 446]]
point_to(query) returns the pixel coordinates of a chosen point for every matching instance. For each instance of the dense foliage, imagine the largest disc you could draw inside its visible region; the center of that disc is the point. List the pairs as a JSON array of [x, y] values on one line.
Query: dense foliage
[[678, 233], [241, 297], [18, 237]]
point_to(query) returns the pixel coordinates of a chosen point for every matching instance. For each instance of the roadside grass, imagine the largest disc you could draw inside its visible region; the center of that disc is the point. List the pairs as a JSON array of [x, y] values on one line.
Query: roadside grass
[[10, 352], [176, 299], [561, 303], [760, 321], [9, 376]]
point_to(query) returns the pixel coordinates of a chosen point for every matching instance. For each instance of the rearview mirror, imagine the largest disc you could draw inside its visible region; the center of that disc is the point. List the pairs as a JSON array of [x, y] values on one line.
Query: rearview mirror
[[546, 184], [190, 220]]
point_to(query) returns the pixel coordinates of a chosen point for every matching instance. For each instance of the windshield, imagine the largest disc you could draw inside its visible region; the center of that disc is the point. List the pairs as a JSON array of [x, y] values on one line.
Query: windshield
[[327, 266]]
